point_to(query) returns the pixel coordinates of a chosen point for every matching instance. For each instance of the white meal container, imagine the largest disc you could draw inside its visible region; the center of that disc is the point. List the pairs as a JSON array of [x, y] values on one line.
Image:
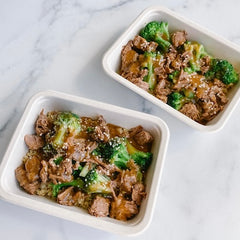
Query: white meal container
[[214, 44], [49, 101]]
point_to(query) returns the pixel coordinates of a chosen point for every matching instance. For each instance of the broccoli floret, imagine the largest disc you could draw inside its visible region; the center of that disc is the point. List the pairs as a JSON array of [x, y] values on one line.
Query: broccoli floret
[[142, 159], [76, 173], [157, 32], [66, 123], [222, 70], [58, 160], [197, 52], [174, 76], [48, 151], [76, 183], [97, 183], [148, 63], [176, 100], [114, 151]]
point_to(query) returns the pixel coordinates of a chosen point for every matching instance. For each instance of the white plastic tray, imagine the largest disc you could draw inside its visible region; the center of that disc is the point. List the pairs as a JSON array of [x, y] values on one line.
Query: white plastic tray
[[214, 44], [10, 190]]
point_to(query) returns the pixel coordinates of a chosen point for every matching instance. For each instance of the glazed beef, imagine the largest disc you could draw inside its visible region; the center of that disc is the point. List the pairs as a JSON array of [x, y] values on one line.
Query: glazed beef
[[142, 44], [123, 209], [33, 142], [100, 207], [21, 175], [179, 38], [101, 130], [190, 110], [42, 124], [138, 193], [66, 197]]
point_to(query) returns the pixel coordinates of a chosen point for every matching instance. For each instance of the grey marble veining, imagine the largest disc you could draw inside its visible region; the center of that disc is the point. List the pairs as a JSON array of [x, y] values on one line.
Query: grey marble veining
[[59, 45]]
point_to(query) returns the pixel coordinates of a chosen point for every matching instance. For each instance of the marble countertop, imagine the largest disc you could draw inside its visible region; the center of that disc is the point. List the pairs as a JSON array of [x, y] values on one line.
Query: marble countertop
[[59, 45]]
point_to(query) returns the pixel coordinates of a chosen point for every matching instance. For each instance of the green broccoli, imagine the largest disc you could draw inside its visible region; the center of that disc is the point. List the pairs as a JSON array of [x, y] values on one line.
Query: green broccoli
[[148, 63], [222, 70], [76, 173], [76, 183], [65, 124], [48, 151], [97, 183], [174, 76], [157, 32], [114, 151], [197, 51], [176, 100], [58, 160], [142, 159]]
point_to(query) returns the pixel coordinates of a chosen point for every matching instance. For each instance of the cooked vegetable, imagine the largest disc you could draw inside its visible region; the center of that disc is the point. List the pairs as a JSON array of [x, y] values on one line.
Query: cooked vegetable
[[150, 57], [157, 32], [176, 100], [66, 123], [114, 151], [97, 183], [76, 183], [197, 52], [222, 70]]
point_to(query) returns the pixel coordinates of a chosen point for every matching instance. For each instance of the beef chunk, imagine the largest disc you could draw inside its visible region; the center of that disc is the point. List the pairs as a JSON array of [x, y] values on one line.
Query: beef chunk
[[190, 110], [142, 44], [123, 209], [128, 56], [101, 131], [44, 171], [66, 197], [140, 83], [183, 81], [61, 172], [138, 193], [205, 64], [42, 124], [129, 178], [100, 207], [135, 130], [162, 90], [179, 38], [21, 175], [143, 137], [33, 142], [32, 167]]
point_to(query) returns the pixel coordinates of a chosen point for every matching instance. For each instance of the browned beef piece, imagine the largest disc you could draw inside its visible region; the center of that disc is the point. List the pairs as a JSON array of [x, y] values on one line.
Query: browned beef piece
[[123, 209], [138, 193], [44, 171], [210, 109], [135, 130], [140, 83], [186, 56], [33, 142], [32, 167], [205, 64], [190, 110], [183, 81], [170, 56], [140, 135], [162, 90], [128, 179], [101, 131], [144, 45], [42, 124], [100, 207], [61, 172], [128, 56], [143, 138], [76, 148], [179, 38], [66, 197], [21, 175]]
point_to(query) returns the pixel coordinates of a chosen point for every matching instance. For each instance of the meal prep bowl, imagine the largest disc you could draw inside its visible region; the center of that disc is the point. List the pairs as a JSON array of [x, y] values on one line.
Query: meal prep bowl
[[49, 101], [214, 44]]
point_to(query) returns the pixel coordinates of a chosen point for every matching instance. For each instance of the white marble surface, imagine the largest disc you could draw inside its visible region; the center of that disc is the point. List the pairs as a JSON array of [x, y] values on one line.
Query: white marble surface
[[59, 45]]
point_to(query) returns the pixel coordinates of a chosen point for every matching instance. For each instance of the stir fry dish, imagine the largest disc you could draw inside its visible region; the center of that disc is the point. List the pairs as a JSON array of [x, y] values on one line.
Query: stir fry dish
[[86, 162], [177, 71]]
